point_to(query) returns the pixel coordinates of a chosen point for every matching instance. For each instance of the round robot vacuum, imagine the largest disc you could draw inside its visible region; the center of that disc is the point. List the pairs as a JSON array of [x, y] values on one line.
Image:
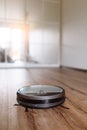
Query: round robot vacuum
[[40, 96]]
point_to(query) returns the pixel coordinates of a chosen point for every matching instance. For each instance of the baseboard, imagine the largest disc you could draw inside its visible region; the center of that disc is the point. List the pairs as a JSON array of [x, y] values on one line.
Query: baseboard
[[10, 66]]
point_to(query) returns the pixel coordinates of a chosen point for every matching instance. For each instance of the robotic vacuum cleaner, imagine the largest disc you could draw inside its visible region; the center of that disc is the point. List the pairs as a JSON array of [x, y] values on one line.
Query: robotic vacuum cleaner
[[40, 96]]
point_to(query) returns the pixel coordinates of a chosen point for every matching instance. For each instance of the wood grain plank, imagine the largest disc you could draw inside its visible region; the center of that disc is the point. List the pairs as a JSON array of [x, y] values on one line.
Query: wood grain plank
[[58, 118]]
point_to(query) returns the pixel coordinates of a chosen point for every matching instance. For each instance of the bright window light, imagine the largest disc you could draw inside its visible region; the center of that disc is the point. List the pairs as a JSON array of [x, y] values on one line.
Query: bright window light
[[17, 38], [12, 39], [4, 37]]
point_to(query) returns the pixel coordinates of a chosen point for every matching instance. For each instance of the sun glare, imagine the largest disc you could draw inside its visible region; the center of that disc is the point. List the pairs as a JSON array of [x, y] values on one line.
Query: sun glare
[[13, 37], [17, 38], [4, 37]]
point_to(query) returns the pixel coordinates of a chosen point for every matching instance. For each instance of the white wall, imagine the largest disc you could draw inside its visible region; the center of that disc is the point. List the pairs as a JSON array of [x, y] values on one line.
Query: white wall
[[74, 33], [11, 10], [44, 18]]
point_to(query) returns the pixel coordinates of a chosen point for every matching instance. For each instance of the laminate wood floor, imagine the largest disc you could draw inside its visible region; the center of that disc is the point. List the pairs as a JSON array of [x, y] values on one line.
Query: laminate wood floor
[[58, 118]]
